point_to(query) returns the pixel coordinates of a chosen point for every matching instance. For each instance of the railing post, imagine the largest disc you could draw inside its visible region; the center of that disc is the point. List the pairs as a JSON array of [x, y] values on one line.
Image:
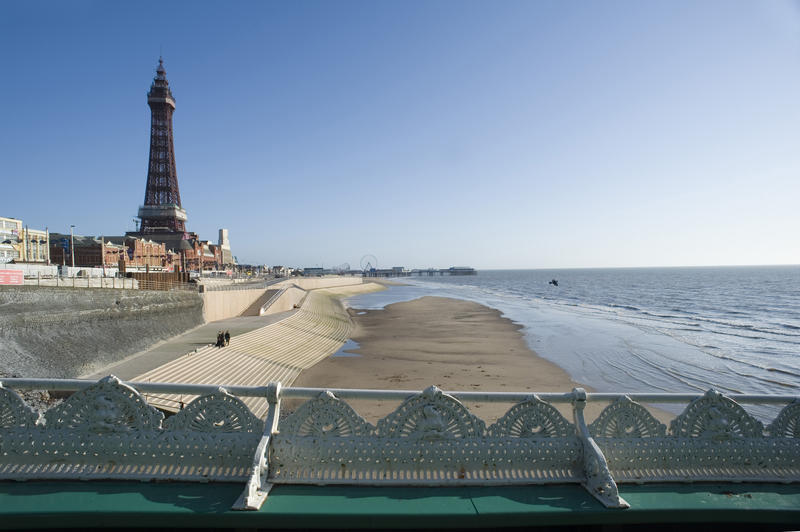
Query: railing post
[[258, 486], [598, 480]]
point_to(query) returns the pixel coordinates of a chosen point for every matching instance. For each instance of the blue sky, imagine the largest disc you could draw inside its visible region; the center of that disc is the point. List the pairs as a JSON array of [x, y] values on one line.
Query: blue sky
[[492, 134]]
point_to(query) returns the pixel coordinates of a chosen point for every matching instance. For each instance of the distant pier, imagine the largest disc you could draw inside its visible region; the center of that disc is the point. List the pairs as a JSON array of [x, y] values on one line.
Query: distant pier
[[402, 272]]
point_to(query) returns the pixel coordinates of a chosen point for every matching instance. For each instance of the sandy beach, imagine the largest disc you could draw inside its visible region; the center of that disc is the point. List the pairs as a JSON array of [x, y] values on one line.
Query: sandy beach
[[454, 344]]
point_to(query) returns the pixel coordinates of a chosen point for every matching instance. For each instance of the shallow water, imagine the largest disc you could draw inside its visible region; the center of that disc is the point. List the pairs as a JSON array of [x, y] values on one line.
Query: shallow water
[[347, 349], [736, 329]]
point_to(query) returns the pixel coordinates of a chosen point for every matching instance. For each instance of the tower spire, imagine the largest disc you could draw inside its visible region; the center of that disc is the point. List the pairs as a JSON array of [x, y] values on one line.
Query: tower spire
[[162, 211]]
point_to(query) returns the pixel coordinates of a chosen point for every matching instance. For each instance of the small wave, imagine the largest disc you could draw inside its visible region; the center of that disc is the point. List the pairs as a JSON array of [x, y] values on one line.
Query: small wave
[[780, 383], [637, 377], [724, 356], [659, 365], [765, 380], [747, 326], [626, 307], [687, 381], [783, 371], [787, 326], [740, 335], [668, 316]]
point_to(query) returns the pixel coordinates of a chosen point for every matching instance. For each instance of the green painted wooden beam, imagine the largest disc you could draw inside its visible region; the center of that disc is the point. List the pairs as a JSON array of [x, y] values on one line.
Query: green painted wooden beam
[[105, 504]]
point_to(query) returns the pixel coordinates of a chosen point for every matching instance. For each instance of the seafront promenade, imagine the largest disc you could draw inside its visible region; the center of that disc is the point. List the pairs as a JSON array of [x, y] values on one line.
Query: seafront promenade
[[262, 349]]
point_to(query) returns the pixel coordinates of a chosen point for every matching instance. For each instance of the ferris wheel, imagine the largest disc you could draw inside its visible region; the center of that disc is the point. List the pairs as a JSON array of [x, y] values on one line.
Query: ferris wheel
[[369, 262]]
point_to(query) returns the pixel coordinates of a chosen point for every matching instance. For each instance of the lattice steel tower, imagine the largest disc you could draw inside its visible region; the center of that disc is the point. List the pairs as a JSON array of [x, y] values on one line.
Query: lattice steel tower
[[162, 211]]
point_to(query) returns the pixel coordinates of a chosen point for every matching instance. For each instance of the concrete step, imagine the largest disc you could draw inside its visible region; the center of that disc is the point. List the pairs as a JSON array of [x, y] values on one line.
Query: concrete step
[[277, 352]]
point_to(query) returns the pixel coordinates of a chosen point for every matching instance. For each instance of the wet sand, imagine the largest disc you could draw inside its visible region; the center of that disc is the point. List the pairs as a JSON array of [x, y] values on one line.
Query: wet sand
[[454, 344]]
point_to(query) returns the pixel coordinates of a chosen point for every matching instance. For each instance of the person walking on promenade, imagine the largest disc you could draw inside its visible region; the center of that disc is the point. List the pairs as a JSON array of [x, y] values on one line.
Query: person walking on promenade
[[220, 339], [227, 337]]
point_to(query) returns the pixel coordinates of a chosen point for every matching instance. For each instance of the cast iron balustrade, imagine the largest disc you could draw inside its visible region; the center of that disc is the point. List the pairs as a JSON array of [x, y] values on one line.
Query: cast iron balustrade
[[107, 430]]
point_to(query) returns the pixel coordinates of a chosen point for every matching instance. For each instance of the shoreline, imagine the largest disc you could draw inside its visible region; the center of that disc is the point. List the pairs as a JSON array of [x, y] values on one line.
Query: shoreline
[[451, 343]]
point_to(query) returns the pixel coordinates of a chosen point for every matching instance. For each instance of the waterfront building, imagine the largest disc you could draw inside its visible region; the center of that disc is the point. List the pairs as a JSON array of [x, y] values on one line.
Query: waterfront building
[[10, 243], [280, 271], [35, 246], [123, 252], [19, 243], [211, 255], [87, 250], [140, 253], [226, 255]]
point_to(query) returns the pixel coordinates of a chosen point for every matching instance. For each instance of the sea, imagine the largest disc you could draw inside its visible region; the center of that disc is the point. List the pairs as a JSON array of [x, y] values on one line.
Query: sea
[[734, 329]]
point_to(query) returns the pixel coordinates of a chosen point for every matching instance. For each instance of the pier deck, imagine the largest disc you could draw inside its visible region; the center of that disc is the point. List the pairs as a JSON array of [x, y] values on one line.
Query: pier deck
[[106, 504]]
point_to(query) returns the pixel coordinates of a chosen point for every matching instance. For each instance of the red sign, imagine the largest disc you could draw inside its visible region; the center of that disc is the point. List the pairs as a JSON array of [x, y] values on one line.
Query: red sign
[[11, 277]]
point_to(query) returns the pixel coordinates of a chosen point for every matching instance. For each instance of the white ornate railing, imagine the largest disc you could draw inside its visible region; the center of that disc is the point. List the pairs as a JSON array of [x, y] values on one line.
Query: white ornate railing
[[106, 430]]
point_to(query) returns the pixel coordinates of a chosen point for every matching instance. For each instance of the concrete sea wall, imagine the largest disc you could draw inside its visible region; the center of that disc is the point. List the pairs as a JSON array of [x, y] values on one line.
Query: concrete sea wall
[[312, 283], [65, 332], [226, 304]]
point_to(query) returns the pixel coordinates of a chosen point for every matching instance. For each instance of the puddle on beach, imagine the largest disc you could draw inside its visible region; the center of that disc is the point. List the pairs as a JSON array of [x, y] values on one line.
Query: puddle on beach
[[361, 313], [348, 346]]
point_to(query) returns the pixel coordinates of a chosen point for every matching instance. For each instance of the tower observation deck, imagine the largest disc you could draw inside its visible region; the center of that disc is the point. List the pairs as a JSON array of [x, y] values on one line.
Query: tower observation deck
[[162, 211]]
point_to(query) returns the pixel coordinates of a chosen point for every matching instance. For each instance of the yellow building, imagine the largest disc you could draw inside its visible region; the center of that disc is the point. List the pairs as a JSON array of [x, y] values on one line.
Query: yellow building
[[36, 246]]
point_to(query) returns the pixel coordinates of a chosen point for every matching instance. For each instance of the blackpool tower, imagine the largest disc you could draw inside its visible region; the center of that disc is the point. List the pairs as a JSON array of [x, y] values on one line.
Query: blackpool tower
[[162, 212]]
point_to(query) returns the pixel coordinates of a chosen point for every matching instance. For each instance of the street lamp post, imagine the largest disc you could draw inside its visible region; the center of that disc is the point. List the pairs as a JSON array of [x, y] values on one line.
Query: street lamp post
[[103, 254], [72, 245]]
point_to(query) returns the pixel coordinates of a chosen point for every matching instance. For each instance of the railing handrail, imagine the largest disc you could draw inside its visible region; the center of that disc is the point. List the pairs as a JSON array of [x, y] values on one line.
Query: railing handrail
[[273, 299], [254, 285], [71, 385], [146, 284]]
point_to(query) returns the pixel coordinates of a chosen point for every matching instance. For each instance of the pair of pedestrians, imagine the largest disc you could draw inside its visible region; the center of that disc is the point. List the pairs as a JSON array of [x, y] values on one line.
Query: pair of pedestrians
[[223, 339]]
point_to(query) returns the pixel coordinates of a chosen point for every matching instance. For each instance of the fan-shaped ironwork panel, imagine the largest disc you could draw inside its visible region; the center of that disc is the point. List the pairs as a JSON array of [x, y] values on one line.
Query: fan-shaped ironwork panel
[[625, 418], [14, 412], [787, 424], [217, 412], [532, 418], [325, 415], [715, 416], [431, 415], [108, 406]]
